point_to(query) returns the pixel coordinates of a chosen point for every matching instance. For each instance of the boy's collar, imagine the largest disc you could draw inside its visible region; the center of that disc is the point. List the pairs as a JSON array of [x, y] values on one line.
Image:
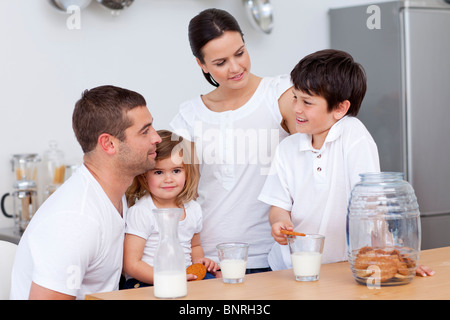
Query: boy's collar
[[334, 133]]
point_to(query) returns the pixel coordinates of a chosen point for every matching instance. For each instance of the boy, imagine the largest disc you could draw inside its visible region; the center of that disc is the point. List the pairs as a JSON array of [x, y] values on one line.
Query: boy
[[313, 172]]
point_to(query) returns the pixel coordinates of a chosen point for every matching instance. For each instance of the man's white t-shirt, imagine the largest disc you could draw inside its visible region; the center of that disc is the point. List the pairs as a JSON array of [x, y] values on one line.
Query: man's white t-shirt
[[235, 149], [142, 222], [74, 242], [315, 185]]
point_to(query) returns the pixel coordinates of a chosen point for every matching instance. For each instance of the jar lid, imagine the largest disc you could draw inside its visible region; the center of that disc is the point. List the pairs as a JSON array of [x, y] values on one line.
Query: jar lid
[[26, 157], [24, 184]]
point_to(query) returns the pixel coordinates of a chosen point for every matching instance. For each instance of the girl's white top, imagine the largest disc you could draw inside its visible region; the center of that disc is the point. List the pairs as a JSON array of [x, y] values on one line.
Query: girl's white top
[[142, 222]]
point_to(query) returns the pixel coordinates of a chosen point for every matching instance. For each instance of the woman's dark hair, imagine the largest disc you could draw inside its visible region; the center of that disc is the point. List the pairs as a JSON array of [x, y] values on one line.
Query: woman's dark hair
[[206, 26], [334, 75]]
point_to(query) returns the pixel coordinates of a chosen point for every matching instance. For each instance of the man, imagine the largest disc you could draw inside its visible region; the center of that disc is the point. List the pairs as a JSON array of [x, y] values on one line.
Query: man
[[74, 243]]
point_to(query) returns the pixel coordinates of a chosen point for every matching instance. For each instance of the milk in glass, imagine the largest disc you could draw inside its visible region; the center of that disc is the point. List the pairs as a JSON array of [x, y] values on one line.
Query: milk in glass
[[233, 268], [306, 264]]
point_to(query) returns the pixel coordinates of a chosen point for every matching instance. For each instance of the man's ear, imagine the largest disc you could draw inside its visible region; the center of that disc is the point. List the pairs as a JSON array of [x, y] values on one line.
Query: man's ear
[[107, 143], [341, 109]]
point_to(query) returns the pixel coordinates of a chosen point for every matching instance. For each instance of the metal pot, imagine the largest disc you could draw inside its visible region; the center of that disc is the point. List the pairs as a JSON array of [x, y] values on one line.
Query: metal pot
[[115, 4], [63, 5], [260, 13]]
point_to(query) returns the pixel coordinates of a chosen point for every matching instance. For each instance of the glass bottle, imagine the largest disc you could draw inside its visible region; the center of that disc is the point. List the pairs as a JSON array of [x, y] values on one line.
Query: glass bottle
[[54, 168], [169, 273], [383, 230], [25, 166]]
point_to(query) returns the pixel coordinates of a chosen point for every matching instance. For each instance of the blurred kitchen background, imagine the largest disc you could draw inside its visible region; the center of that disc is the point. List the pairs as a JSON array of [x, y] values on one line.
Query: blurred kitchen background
[[48, 58]]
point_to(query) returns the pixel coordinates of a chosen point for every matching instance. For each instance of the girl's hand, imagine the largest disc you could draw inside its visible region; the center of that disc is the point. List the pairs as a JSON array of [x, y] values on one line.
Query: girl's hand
[[191, 277], [210, 265]]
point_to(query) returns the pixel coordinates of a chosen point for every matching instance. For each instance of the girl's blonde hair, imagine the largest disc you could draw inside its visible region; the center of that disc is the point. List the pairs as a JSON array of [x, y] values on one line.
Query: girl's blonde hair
[[170, 144]]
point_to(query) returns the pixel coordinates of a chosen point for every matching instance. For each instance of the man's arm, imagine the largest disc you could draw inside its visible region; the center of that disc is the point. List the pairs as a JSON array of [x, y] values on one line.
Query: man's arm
[[38, 292]]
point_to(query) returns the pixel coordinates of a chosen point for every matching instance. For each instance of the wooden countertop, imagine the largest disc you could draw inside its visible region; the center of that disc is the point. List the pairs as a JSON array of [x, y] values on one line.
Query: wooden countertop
[[336, 282]]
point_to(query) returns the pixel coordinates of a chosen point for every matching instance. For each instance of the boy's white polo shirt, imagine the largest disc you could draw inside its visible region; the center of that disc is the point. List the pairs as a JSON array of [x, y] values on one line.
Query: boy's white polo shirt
[[315, 185]]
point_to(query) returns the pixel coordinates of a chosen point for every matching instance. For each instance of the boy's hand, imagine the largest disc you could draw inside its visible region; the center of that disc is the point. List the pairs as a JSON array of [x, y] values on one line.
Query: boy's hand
[[424, 271], [280, 219], [276, 231]]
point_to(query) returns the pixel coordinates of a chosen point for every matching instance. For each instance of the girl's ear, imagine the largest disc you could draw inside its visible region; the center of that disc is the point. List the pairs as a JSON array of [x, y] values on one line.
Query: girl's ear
[[341, 109]]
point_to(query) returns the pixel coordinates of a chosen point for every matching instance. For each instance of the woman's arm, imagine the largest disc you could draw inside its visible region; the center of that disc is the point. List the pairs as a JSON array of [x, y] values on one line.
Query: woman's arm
[[285, 104]]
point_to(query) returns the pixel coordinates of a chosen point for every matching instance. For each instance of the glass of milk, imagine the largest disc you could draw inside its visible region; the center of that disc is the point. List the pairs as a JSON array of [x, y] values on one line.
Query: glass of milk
[[233, 261], [306, 256]]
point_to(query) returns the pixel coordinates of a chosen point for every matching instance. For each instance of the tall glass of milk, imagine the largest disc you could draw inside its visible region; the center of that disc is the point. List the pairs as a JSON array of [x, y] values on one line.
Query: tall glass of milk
[[233, 261], [306, 256]]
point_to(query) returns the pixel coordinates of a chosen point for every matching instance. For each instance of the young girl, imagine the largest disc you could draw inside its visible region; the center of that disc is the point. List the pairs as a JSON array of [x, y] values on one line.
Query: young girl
[[171, 184]]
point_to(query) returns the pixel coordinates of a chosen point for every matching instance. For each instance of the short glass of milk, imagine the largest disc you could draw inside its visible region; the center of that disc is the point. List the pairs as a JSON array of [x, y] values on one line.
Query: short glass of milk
[[232, 261], [306, 256]]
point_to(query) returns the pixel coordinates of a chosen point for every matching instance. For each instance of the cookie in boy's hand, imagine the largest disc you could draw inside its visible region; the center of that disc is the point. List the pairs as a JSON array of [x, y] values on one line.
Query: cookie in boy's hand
[[292, 233], [198, 269]]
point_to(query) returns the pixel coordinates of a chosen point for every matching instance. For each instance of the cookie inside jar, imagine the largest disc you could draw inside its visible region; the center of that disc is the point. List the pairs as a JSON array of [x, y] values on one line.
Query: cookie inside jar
[[384, 266]]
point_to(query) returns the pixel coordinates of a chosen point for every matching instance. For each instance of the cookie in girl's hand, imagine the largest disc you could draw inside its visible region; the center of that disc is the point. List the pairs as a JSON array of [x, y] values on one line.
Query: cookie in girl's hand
[[197, 269]]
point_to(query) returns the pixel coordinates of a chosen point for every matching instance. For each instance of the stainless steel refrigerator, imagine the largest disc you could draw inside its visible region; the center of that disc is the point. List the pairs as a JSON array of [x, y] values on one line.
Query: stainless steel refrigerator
[[404, 47]]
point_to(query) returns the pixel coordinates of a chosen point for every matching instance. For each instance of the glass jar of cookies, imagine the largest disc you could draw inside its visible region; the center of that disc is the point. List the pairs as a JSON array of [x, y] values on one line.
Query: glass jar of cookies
[[383, 230]]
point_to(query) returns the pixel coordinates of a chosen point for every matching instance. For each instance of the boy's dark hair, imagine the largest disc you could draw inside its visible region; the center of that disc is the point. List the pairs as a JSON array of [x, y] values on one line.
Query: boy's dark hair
[[333, 75]]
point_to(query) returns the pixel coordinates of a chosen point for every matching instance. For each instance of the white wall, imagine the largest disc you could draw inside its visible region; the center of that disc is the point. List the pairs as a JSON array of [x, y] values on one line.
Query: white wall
[[44, 66]]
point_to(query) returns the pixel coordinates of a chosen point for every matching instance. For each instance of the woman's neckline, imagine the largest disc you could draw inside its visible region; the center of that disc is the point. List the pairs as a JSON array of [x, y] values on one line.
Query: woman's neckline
[[209, 105]]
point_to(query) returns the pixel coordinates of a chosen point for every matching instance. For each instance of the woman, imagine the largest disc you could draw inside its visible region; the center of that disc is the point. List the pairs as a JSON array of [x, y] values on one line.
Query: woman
[[236, 128]]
